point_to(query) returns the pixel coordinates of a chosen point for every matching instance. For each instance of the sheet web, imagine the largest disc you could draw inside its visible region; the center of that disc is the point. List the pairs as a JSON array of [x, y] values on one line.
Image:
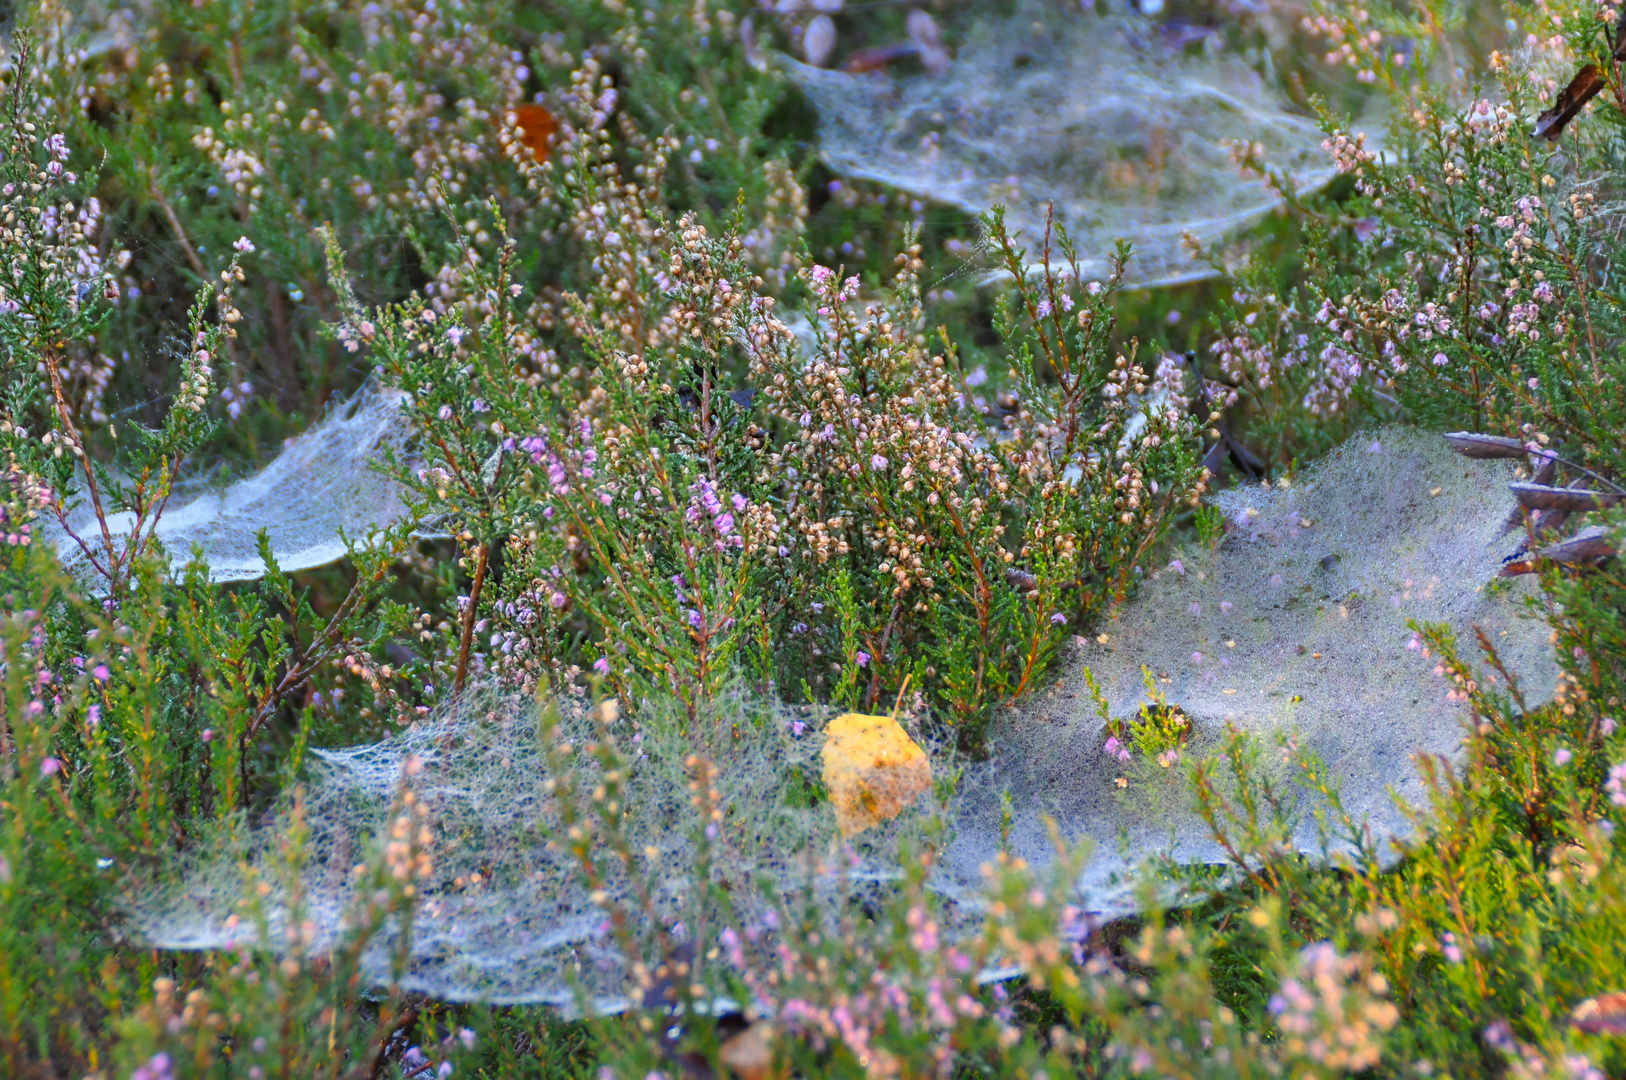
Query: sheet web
[[1127, 137], [1294, 626], [323, 486], [508, 918]]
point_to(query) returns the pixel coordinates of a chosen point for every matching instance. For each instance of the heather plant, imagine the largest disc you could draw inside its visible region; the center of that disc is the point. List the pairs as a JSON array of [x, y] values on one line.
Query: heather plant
[[294, 118], [1467, 289], [681, 483], [647, 500]]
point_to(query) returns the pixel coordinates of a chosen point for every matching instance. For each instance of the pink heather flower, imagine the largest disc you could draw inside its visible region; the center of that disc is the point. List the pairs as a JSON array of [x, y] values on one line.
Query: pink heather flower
[[158, 1068], [1275, 579], [454, 334], [1058, 619], [1112, 747], [797, 727], [93, 715], [1617, 779], [445, 412], [1415, 643], [466, 1037], [1196, 658], [557, 600], [1225, 607], [208, 734], [878, 463], [1450, 949], [1561, 757], [725, 524], [1044, 309], [99, 673], [1607, 726], [1178, 567], [862, 657], [694, 618], [740, 502], [244, 245], [50, 767], [1440, 359], [602, 666]]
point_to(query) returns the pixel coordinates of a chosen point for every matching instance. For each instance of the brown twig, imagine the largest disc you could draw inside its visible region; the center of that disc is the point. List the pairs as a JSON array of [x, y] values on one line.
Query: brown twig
[[468, 616], [66, 415], [175, 225], [373, 1067], [307, 663]]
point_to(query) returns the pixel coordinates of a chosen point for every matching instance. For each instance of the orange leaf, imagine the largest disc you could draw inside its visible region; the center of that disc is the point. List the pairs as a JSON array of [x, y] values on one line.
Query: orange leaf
[[535, 126]]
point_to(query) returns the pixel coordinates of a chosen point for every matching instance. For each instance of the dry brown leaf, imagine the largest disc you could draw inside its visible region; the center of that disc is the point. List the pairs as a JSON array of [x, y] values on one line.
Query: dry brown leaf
[[1473, 445], [1543, 497], [1604, 1014], [748, 1054], [536, 126]]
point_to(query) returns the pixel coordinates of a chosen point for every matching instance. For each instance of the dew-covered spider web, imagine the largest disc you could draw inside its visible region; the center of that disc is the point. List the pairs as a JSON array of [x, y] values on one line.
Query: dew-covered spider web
[[1294, 625], [1129, 137], [323, 487], [506, 915]]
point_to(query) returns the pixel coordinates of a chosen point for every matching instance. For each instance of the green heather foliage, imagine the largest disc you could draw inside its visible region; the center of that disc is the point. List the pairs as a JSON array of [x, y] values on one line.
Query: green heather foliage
[[696, 427]]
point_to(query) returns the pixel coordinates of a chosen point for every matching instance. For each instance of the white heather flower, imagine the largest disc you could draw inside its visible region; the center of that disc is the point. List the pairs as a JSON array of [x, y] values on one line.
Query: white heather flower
[[244, 245]]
